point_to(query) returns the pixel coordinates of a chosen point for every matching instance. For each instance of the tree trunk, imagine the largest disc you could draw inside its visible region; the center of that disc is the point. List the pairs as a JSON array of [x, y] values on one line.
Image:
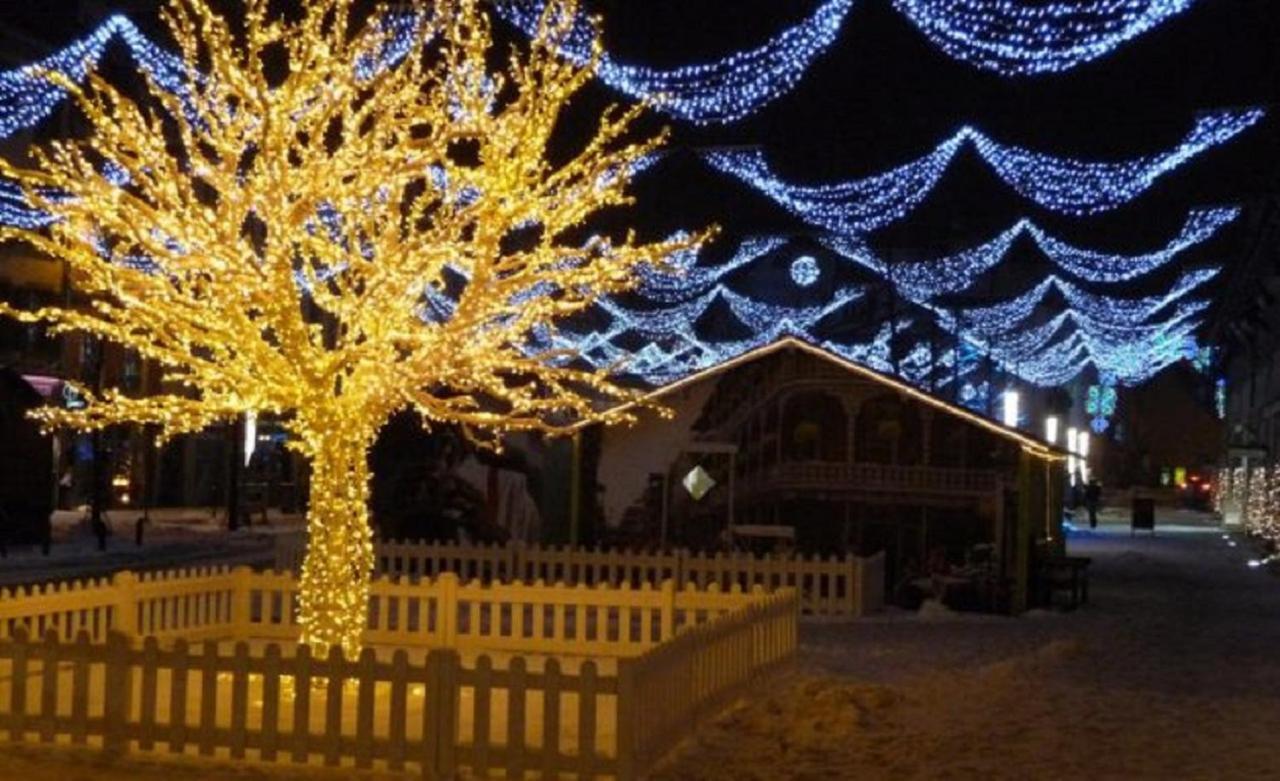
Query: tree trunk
[[333, 601]]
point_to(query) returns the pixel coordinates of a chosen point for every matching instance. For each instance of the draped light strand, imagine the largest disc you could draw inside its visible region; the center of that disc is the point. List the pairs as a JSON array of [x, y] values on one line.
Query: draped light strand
[[1020, 38], [1060, 184], [722, 91], [1010, 37], [955, 273], [660, 333], [1121, 339]]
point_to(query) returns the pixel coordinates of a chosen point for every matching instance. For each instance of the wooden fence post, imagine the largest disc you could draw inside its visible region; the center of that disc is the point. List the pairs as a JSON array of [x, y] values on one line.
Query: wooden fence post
[[447, 610], [441, 717], [18, 651], [125, 620], [667, 622], [241, 602], [118, 686], [628, 745]]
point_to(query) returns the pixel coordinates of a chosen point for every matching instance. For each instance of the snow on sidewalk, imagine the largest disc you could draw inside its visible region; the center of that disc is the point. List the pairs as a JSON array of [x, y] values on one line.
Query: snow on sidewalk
[[1173, 672], [174, 538]]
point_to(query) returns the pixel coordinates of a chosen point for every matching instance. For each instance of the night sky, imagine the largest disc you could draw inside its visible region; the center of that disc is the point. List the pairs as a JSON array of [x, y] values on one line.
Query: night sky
[[883, 95]]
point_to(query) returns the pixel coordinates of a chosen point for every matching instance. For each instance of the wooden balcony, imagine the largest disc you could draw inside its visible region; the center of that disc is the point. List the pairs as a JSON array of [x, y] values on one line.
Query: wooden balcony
[[823, 476]]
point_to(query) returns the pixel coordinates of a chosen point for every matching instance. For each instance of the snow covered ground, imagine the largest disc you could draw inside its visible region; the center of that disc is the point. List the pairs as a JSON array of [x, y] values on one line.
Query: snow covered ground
[[1172, 672], [174, 538]]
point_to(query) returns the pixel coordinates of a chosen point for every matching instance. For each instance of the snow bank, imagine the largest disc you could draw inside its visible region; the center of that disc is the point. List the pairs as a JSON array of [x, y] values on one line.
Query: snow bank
[[1173, 672]]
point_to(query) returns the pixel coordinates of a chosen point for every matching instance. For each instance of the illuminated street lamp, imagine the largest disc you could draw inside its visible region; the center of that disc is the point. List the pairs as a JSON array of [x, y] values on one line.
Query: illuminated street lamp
[[1011, 409]]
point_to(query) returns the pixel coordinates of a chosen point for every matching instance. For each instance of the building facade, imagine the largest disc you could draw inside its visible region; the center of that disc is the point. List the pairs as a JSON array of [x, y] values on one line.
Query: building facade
[[791, 442]]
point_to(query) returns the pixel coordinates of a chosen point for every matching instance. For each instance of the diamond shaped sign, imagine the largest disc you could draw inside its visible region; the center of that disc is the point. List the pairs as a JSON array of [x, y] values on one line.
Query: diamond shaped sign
[[698, 483]]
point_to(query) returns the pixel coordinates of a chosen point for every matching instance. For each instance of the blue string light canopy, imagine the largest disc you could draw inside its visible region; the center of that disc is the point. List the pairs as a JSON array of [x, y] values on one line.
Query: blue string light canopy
[[660, 331], [1060, 184], [1026, 38], [1126, 338], [1009, 37], [723, 91], [30, 94], [927, 279]]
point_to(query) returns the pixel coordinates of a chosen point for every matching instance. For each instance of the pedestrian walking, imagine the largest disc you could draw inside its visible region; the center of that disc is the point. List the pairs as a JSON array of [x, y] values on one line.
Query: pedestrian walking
[[1092, 497]]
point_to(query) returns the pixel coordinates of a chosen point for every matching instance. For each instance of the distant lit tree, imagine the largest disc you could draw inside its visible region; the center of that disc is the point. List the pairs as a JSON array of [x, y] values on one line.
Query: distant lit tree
[[334, 219]]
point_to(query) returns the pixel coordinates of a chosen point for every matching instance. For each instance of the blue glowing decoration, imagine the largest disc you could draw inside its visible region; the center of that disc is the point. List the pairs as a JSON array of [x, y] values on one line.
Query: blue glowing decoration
[[856, 206], [955, 273], [664, 360], [1019, 37], [722, 91], [976, 396], [29, 96], [1010, 37], [758, 316], [1126, 340], [1121, 338], [1202, 358], [1064, 185], [1093, 266], [804, 271], [1100, 402], [682, 277], [1220, 398]]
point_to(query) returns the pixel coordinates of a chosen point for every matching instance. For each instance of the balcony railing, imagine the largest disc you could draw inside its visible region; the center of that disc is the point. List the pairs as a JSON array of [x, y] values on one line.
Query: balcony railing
[[876, 477]]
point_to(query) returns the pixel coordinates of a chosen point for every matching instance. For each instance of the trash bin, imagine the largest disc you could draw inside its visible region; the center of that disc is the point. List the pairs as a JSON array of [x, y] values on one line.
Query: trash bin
[[1144, 515]]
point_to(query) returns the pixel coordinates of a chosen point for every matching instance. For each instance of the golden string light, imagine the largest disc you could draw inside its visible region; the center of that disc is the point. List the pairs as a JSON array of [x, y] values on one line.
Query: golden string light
[[332, 241]]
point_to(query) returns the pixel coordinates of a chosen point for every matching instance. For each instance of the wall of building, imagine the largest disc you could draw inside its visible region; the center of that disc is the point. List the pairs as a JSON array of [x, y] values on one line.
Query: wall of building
[[629, 454], [1147, 444]]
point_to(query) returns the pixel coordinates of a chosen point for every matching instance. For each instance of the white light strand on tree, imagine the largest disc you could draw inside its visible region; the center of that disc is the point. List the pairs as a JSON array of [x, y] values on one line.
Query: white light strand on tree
[[1060, 184], [1268, 527], [1258, 499]]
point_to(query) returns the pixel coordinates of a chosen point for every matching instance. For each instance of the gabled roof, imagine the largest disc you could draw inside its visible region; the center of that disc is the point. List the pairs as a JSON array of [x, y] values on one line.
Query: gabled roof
[[1032, 444]]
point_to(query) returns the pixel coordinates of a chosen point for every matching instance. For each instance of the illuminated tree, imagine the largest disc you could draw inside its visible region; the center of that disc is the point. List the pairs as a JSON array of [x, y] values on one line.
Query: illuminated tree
[[333, 219], [1258, 496]]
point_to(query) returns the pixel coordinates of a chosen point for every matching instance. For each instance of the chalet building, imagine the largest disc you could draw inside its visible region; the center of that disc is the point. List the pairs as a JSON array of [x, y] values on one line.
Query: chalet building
[[793, 442]]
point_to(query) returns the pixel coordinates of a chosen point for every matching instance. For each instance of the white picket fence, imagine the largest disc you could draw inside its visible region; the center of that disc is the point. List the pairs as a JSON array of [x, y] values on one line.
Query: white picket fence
[[193, 604], [469, 676], [832, 586]]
